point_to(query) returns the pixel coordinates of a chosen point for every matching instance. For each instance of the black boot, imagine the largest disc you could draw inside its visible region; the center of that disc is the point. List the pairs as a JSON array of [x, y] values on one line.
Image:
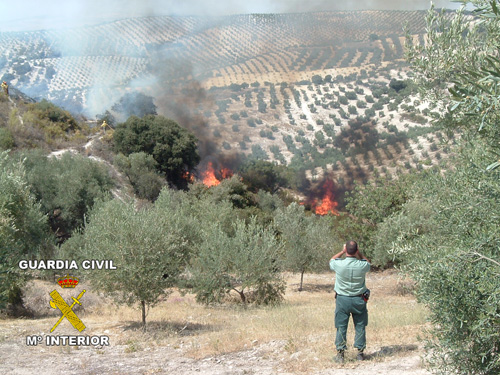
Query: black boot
[[339, 358], [361, 355]]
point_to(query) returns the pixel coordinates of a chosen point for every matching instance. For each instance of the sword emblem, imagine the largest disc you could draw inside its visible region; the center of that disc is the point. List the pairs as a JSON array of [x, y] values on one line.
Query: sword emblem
[[67, 312]]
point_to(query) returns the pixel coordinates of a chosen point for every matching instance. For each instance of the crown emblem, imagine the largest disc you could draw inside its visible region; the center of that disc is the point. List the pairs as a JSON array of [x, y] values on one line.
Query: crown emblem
[[68, 281]]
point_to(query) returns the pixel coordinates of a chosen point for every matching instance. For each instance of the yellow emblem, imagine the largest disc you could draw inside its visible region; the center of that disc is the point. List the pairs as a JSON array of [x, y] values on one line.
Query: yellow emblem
[[58, 302]]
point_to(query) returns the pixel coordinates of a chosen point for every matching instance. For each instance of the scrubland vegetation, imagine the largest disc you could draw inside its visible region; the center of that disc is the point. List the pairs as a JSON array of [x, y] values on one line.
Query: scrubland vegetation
[[235, 242]]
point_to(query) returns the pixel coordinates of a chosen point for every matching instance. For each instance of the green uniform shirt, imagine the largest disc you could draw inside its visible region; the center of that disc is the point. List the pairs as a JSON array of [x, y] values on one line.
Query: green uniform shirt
[[349, 275]]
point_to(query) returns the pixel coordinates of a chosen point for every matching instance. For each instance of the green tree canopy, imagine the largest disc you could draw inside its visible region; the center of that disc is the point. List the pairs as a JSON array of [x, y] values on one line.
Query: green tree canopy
[[229, 189], [141, 170], [307, 240], [173, 147], [66, 187], [147, 246], [447, 238], [246, 261], [463, 51], [455, 257], [370, 205], [263, 175]]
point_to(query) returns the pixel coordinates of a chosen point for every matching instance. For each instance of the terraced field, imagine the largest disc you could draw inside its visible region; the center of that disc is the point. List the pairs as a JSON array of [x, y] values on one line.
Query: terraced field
[[309, 90], [214, 46]]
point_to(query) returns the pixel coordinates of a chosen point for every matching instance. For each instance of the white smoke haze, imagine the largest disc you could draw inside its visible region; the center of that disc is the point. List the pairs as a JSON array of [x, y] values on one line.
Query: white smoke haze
[[119, 66], [107, 89], [50, 14]]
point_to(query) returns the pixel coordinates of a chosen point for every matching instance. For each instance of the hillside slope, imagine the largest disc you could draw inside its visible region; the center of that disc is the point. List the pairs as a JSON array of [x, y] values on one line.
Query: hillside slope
[[310, 90], [64, 65]]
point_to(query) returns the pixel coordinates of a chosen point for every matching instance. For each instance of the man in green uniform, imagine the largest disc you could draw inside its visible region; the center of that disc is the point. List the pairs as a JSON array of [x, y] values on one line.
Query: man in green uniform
[[351, 297]]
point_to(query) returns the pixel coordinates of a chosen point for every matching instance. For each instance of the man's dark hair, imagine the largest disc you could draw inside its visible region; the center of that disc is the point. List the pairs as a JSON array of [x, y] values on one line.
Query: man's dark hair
[[351, 247]]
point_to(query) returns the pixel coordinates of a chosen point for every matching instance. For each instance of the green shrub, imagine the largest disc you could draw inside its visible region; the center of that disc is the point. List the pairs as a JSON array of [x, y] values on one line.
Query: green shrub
[[66, 187], [141, 170], [7, 141]]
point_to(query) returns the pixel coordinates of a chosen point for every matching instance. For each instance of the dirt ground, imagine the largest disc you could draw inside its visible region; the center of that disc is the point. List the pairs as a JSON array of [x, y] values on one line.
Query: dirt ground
[[17, 358], [130, 353]]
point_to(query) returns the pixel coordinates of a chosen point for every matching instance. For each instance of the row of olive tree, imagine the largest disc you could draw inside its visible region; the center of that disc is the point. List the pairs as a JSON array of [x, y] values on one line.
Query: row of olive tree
[[253, 224], [201, 241]]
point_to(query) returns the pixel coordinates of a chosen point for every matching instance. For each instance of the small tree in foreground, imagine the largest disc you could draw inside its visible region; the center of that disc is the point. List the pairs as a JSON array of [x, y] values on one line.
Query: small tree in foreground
[[306, 240], [245, 262], [148, 250]]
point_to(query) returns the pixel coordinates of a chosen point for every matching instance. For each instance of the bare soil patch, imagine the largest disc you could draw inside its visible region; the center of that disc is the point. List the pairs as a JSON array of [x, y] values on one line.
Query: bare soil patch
[[183, 337]]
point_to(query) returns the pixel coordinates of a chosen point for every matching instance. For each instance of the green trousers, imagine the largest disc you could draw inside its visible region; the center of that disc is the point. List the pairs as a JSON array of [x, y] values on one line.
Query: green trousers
[[345, 306]]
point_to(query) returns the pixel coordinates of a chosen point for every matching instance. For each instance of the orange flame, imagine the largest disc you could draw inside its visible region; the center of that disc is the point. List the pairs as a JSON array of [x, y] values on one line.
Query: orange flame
[[188, 176], [208, 176], [211, 177], [226, 173], [328, 204]]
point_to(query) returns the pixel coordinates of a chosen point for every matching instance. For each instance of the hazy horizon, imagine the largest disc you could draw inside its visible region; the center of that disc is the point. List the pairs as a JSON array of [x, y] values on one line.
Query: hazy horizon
[[53, 14]]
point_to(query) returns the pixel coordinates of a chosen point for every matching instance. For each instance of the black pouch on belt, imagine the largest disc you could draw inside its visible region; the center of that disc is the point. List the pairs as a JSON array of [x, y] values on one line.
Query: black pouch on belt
[[366, 295]]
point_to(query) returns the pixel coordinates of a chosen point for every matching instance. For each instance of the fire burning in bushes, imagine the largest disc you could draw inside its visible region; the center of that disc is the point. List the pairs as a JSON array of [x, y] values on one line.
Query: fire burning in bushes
[[322, 200], [212, 177]]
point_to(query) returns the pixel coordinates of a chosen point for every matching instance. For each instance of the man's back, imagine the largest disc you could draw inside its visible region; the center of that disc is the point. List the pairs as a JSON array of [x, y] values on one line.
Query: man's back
[[350, 285], [350, 275]]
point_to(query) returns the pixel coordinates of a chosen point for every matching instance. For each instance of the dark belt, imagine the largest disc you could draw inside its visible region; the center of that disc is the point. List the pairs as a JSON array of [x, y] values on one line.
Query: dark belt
[[336, 294], [365, 295]]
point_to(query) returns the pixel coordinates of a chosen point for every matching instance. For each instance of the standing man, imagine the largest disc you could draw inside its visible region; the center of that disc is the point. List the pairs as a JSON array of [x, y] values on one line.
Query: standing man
[[351, 296]]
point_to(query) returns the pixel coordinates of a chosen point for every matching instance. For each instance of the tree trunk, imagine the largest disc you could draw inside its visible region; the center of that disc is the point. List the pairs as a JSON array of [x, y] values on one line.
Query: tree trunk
[[242, 295], [301, 280], [143, 305]]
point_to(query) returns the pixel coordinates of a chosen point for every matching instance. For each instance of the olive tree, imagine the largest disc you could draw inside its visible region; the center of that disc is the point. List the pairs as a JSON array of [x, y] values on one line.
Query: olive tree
[[23, 229], [245, 261], [456, 260], [448, 239], [141, 170], [459, 69], [147, 246], [66, 187], [307, 240]]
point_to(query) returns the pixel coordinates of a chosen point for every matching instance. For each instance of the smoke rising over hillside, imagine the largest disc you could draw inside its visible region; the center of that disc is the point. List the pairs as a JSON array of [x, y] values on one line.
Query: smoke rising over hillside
[[265, 81], [50, 14]]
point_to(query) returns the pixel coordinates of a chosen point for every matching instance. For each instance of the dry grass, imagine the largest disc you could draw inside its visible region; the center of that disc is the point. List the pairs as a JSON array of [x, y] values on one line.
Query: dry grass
[[300, 333]]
